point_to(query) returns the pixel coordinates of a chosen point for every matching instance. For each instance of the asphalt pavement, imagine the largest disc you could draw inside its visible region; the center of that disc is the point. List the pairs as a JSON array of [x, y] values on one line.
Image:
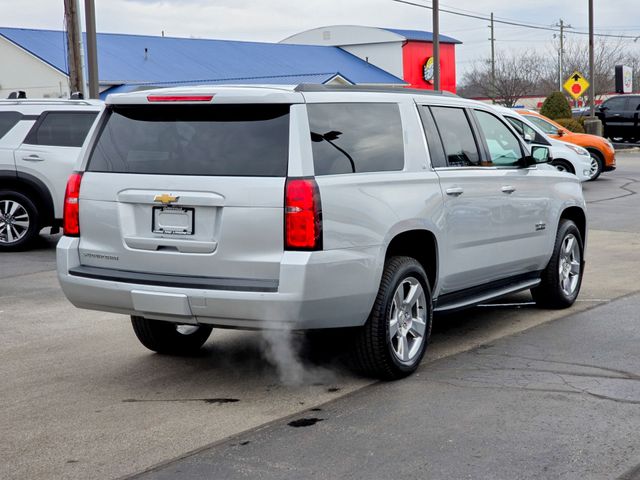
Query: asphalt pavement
[[561, 400], [81, 398]]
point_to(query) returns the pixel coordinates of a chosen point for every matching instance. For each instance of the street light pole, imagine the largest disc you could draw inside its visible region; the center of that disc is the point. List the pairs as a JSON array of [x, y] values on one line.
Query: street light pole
[[92, 48], [436, 44]]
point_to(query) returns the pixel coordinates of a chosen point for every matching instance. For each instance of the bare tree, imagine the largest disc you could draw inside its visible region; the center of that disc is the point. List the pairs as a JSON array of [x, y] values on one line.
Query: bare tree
[[607, 54], [516, 75]]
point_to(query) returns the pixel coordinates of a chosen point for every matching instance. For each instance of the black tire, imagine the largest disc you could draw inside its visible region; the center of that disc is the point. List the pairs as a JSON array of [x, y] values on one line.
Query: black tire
[[26, 207], [374, 349], [597, 156], [164, 337], [550, 294], [564, 164]]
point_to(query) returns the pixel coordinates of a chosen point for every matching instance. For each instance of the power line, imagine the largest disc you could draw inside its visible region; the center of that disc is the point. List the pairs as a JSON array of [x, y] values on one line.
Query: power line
[[517, 24]]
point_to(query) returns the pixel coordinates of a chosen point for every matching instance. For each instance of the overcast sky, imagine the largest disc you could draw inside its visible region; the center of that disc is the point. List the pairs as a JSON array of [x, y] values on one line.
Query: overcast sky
[[273, 20]]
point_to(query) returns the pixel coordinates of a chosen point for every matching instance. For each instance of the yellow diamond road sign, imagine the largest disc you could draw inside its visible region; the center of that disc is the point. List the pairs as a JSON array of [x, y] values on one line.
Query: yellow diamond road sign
[[576, 85]]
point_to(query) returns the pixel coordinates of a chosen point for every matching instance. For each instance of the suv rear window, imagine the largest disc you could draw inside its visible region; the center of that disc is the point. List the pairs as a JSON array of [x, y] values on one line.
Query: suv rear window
[[356, 137], [211, 140], [61, 129], [8, 120]]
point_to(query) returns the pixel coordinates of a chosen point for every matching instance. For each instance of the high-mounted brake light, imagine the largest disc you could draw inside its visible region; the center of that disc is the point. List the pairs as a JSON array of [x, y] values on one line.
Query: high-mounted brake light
[[71, 213], [303, 215], [179, 98]]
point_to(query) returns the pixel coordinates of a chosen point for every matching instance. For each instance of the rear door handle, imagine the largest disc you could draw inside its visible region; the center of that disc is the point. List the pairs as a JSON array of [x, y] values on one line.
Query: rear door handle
[[454, 191], [33, 158], [508, 189]]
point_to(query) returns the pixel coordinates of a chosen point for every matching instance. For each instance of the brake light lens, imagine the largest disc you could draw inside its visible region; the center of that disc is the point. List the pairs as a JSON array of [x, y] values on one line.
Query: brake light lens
[[179, 98], [71, 213], [303, 215]]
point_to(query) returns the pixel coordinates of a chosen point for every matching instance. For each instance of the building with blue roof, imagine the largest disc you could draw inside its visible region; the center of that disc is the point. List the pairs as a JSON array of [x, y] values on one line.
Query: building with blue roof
[[36, 60]]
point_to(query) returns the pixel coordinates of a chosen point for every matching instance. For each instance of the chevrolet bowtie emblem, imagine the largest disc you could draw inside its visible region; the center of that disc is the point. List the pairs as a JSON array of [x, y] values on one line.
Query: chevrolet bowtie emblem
[[166, 198]]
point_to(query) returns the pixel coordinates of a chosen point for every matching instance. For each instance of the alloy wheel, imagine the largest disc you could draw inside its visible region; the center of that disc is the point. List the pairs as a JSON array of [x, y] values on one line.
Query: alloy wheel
[[408, 320], [593, 168], [569, 265], [14, 221]]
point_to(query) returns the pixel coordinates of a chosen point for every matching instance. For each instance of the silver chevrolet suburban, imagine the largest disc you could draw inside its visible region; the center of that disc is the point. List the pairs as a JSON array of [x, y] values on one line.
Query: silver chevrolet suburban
[[313, 207]]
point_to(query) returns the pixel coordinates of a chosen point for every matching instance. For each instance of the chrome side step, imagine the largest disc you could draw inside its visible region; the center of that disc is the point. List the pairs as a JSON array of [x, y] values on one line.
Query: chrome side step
[[485, 296]]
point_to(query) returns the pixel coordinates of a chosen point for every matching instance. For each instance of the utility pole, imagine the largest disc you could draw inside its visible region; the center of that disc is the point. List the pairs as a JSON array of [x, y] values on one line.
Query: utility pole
[[592, 124], [92, 49], [436, 44], [493, 59], [591, 76], [74, 41], [561, 52]]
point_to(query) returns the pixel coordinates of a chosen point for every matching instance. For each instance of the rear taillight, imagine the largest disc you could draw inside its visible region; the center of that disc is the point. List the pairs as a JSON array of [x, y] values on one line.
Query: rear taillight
[[71, 214], [303, 215]]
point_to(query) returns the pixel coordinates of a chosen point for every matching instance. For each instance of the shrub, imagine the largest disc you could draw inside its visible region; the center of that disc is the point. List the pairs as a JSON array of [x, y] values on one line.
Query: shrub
[[556, 106], [570, 124]]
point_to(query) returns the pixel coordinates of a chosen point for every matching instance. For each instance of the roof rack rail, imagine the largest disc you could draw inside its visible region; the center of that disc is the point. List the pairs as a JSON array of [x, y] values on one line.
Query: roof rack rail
[[312, 87], [45, 101], [17, 94]]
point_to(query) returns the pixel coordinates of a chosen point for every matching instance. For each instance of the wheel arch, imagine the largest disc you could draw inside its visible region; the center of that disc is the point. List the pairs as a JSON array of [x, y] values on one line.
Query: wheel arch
[[576, 215], [418, 243], [565, 162], [598, 152], [35, 189]]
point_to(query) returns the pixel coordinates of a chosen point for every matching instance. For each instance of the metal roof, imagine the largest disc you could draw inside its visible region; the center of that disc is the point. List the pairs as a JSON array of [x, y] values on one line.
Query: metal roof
[[421, 36], [315, 78], [122, 59]]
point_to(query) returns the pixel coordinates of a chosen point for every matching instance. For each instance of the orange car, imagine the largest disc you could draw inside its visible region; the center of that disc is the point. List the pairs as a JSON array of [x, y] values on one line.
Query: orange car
[[603, 155]]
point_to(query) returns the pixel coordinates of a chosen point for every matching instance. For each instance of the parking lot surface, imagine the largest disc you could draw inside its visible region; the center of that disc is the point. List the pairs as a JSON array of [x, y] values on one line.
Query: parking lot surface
[[82, 399]]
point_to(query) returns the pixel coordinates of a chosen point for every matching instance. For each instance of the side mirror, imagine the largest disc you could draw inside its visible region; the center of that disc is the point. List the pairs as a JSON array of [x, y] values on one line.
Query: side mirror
[[561, 132], [528, 137], [539, 154]]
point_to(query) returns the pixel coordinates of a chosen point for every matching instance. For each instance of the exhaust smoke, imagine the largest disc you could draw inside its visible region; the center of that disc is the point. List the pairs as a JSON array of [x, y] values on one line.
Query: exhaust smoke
[[283, 348]]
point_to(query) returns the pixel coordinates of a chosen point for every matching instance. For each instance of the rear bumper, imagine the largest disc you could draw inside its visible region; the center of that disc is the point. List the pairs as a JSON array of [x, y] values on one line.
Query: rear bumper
[[327, 289]]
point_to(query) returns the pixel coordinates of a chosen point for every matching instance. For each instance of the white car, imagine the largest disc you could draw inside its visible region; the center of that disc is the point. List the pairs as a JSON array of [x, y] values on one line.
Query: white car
[[566, 156], [40, 141]]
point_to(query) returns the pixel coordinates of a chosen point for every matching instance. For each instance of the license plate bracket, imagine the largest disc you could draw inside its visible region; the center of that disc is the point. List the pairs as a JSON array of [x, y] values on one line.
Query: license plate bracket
[[173, 220]]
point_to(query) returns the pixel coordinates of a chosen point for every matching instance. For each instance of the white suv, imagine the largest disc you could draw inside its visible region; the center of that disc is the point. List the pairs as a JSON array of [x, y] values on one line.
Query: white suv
[[40, 141], [310, 208], [566, 156]]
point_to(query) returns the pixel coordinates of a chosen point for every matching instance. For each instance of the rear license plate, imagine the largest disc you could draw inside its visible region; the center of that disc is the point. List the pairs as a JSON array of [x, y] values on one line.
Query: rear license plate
[[173, 220]]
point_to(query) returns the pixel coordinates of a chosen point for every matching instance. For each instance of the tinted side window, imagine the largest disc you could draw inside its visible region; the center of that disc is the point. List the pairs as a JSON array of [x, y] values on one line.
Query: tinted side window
[[436, 152], [8, 120], [504, 147], [634, 103], [616, 103], [61, 129], [213, 140], [356, 137], [457, 136]]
